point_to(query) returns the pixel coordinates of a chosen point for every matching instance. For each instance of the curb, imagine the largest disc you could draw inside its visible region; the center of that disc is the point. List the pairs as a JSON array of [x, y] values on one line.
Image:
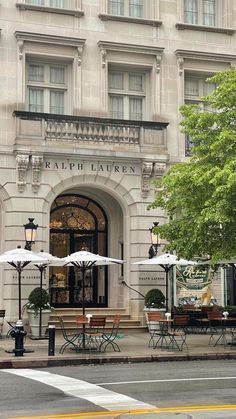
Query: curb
[[56, 361]]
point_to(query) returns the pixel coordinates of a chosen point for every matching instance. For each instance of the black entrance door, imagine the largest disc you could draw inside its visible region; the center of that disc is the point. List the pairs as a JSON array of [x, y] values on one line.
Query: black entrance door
[[77, 223]]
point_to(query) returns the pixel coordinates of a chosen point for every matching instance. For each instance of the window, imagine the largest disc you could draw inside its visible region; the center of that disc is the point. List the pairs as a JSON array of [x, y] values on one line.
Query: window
[[126, 95], [60, 4], [194, 89], [200, 12], [46, 87], [132, 8]]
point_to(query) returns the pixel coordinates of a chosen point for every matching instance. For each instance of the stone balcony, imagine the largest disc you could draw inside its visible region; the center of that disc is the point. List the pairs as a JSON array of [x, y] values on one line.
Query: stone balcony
[[47, 133]]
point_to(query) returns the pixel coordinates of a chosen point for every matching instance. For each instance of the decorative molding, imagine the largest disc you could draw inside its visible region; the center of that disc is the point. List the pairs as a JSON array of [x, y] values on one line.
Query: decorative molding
[[37, 164], [130, 48], [50, 39], [20, 44], [159, 169], [152, 22], [22, 162], [158, 63], [103, 57], [226, 31], [146, 175], [180, 63], [80, 52], [206, 56], [47, 9]]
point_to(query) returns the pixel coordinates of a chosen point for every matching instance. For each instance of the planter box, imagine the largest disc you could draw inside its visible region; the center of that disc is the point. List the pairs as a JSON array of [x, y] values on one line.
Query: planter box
[[34, 322]]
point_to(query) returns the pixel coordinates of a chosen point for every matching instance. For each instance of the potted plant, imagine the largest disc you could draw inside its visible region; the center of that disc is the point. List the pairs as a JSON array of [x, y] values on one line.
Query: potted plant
[[154, 300], [38, 298]]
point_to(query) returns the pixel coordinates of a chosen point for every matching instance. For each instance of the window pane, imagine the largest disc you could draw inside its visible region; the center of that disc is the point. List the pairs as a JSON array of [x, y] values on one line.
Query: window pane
[[57, 3], [35, 2], [116, 81], [116, 107], [35, 100], [191, 87], [208, 88], [135, 108], [191, 11], [116, 7], [136, 8], [57, 75], [57, 102], [136, 82], [36, 72], [209, 12]]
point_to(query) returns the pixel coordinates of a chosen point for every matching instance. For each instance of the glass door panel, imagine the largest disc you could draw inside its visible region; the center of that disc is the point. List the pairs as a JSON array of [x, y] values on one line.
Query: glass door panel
[[58, 282]]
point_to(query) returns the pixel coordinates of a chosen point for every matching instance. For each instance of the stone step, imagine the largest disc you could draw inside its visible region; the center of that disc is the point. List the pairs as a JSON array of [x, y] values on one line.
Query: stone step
[[127, 324]]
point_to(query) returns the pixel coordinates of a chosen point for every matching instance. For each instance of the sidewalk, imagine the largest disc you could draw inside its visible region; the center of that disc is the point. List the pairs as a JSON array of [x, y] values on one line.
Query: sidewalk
[[134, 348]]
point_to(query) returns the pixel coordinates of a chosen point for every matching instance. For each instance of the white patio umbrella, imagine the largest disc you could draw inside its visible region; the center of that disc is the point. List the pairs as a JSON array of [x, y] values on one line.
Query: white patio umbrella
[[166, 261], [51, 260], [19, 258], [83, 261]]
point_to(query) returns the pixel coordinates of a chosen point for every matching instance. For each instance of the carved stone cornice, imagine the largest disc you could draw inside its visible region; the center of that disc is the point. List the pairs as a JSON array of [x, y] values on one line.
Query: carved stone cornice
[[129, 19], [37, 164], [204, 28], [147, 168], [122, 47], [50, 39], [204, 55], [22, 162]]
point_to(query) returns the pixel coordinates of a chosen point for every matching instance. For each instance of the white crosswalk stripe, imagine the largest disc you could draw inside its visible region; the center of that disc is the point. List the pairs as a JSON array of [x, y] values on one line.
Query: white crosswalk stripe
[[99, 396]]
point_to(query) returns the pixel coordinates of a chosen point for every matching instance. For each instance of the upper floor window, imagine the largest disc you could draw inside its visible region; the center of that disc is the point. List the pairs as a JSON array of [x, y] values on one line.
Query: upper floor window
[[194, 89], [50, 3], [200, 12], [47, 87], [126, 95], [132, 8]]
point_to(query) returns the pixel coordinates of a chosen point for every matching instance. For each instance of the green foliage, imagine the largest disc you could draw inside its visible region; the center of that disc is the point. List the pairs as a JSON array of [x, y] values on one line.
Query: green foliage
[[35, 301], [154, 299], [199, 195]]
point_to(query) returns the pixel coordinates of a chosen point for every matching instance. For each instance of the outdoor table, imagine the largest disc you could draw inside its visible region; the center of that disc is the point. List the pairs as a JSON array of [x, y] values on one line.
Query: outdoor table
[[220, 325], [91, 334], [164, 333]]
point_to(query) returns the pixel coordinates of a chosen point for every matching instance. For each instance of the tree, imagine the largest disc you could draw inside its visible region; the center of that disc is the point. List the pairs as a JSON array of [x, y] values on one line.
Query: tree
[[199, 196]]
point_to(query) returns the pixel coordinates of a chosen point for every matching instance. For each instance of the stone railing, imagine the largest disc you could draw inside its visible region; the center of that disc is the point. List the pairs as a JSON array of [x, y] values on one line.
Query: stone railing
[[89, 132]]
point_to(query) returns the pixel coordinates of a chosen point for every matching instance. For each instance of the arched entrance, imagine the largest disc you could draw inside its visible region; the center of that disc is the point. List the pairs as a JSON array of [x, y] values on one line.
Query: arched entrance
[[77, 222]]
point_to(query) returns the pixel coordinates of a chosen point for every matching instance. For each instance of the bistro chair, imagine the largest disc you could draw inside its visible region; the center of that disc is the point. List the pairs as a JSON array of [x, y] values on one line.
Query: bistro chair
[[94, 334], [69, 337], [156, 329], [109, 338], [214, 325], [181, 323]]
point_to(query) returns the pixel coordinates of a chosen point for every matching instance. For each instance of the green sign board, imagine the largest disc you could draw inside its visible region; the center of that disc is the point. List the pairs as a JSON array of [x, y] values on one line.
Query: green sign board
[[192, 277]]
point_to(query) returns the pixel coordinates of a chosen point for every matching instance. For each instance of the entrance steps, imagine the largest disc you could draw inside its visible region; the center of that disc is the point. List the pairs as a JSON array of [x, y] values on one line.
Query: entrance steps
[[127, 324]]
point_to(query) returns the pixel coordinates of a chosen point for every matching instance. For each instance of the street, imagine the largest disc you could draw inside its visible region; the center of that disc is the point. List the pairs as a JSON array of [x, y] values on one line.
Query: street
[[199, 389]]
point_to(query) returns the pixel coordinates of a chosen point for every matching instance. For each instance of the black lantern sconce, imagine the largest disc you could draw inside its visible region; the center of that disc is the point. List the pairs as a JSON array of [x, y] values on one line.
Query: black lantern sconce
[[155, 240], [30, 233]]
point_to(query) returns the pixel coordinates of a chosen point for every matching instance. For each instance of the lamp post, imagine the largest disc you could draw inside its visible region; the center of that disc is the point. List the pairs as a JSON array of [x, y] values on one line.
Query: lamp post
[[155, 240], [30, 233]]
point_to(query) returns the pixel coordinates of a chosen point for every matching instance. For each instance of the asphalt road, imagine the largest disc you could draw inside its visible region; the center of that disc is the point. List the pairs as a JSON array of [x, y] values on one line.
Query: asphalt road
[[185, 390]]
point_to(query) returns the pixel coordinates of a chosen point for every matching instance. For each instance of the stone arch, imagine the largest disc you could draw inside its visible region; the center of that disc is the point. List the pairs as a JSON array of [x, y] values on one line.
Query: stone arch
[[115, 200]]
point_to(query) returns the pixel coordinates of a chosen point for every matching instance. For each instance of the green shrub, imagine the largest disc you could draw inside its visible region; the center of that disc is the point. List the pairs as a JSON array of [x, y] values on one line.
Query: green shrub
[[154, 299], [34, 300]]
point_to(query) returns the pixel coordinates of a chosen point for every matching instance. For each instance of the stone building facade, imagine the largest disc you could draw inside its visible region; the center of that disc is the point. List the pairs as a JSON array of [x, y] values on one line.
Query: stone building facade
[[89, 110]]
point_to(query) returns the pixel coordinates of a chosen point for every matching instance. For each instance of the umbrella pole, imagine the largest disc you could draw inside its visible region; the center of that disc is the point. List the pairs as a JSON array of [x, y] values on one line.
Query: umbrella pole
[[83, 302], [167, 289], [40, 300], [19, 291]]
